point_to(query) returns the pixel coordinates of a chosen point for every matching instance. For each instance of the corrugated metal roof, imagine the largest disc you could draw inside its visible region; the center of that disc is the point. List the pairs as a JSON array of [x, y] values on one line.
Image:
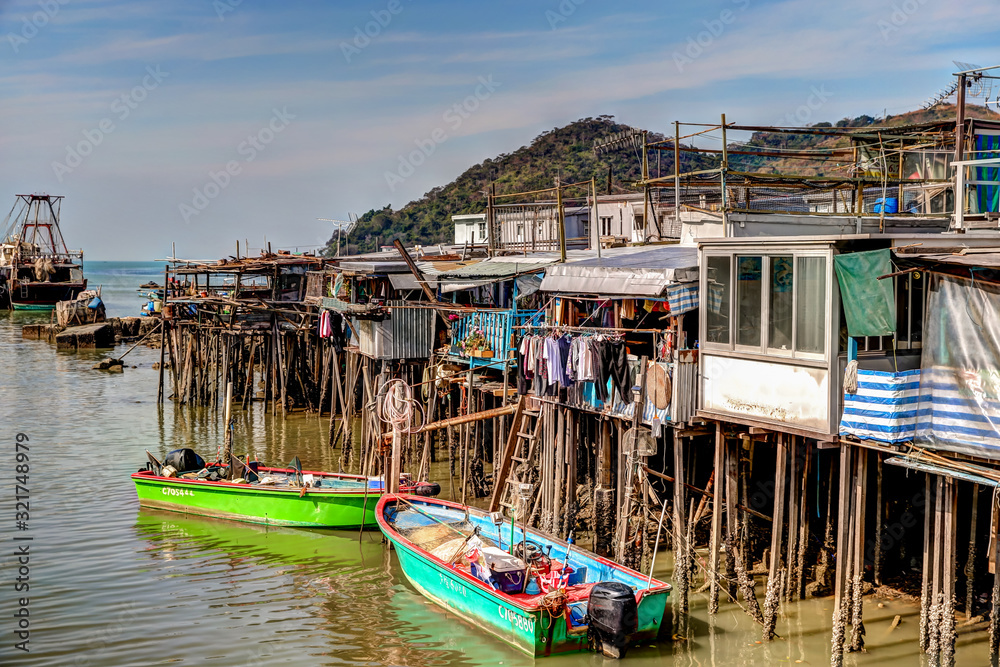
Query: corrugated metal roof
[[645, 257], [370, 266], [500, 267], [638, 273], [404, 281]]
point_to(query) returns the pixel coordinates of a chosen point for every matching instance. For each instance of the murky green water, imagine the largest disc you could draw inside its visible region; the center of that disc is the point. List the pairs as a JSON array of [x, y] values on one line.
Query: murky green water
[[111, 584]]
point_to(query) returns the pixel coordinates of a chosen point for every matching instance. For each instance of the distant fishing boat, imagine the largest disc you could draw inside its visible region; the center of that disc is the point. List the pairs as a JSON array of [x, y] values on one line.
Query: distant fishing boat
[[274, 496], [515, 584], [36, 267]]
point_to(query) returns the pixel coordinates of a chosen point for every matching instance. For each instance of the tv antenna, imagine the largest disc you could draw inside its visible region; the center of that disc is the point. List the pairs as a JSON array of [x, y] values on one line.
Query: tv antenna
[[977, 84], [343, 227]]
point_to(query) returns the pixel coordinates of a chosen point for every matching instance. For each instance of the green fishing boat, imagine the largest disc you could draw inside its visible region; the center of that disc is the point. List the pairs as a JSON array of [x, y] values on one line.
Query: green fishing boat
[[556, 599], [265, 495]]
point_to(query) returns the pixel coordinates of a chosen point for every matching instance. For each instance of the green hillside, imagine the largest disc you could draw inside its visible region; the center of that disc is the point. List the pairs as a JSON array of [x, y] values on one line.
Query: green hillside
[[563, 152]]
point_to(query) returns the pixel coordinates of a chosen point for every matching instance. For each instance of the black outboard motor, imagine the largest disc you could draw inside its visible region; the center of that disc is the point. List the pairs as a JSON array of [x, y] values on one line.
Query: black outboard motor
[[184, 460], [613, 617], [429, 489]]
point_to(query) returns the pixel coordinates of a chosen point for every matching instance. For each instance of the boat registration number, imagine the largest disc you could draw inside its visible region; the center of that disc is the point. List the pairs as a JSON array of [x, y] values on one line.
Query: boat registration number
[[522, 623], [453, 585], [167, 491]]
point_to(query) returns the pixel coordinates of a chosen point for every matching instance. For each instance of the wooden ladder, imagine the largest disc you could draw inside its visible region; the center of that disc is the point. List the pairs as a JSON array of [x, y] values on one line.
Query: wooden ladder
[[520, 448]]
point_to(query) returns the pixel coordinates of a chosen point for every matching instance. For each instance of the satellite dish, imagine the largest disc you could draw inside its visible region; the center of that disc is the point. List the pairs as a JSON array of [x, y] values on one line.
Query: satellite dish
[[640, 440]]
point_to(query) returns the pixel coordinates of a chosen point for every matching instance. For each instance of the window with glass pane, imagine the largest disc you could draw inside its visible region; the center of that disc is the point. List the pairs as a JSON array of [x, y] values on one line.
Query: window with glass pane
[[718, 286], [780, 298], [810, 315], [748, 300]]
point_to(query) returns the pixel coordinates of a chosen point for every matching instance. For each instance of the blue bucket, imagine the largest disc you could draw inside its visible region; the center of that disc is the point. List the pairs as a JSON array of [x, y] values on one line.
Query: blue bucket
[[891, 205]]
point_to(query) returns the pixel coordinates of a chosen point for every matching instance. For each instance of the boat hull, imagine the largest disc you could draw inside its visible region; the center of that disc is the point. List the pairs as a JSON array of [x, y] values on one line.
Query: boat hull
[[527, 631], [531, 630], [257, 504], [43, 296]]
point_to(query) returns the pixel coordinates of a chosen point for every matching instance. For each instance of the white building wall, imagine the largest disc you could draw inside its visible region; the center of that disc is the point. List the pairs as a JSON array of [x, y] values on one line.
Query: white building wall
[[470, 229]]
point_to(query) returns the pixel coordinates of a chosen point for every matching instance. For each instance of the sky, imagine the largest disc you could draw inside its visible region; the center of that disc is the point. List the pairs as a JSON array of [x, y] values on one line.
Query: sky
[[199, 123]]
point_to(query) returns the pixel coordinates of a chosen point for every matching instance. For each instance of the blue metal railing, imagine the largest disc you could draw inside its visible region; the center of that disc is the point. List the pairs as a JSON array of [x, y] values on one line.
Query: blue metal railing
[[498, 329]]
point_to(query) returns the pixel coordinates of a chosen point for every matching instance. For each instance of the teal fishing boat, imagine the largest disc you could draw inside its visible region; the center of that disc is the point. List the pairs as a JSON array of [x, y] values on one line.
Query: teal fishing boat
[[530, 590]]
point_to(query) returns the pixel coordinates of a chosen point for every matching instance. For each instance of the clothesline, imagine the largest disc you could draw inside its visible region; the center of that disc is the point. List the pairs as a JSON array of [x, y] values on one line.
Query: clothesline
[[574, 297], [589, 329]]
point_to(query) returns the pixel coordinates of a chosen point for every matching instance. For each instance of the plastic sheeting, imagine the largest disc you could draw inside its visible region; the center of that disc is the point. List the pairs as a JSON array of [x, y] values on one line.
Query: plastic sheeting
[[869, 304], [960, 368]]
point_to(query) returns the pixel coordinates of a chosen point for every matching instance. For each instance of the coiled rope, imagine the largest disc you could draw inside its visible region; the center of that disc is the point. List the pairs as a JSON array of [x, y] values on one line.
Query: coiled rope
[[398, 407]]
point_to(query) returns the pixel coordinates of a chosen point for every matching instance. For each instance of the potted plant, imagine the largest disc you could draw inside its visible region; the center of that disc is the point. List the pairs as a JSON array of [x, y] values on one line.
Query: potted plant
[[476, 345]]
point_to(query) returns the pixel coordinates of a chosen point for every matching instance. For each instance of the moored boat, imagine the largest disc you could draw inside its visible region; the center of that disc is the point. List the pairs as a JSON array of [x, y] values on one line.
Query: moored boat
[[557, 599], [39, 269], [266, 495]]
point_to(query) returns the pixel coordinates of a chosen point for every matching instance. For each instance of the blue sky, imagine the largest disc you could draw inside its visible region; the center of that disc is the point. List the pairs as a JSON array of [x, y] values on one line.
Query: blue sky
[[204, 122]]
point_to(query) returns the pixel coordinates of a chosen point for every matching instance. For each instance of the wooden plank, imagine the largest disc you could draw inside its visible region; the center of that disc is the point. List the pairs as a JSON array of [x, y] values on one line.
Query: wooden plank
[[503, 472], [468, 418]]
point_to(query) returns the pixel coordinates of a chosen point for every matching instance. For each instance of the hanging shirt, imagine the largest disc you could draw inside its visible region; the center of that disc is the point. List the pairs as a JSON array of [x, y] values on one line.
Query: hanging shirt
[[586, 368], [553, 361], [563, 344]]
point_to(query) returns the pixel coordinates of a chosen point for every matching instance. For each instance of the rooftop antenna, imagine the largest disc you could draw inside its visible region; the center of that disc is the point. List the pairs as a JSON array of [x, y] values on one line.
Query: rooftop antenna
[[977, 84], [343, 227]]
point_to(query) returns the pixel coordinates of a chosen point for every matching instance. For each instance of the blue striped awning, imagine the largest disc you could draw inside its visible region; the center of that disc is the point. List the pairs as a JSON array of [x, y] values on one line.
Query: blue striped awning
[[682, 297], [885, 407]]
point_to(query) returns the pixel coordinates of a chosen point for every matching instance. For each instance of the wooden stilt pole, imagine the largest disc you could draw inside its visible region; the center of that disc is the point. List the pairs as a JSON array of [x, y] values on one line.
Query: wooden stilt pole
[[716, 538], [681, 577], [858, 540], [163, 334], [775, 572], [970, 563], [926, 597], [879, 514], [995, 612], [841, 610], [948, 567]]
